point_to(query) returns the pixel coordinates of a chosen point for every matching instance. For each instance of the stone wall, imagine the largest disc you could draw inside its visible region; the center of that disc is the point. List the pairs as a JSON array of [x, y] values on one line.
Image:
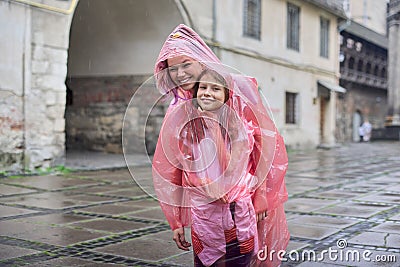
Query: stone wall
[[11, 131], [46, 96], [371, 103], [95, 113], [32, 90], [12, 143]]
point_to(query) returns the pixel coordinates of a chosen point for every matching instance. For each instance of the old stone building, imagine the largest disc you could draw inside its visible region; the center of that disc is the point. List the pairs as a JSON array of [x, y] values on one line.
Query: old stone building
[[70, 68], [363, 70]]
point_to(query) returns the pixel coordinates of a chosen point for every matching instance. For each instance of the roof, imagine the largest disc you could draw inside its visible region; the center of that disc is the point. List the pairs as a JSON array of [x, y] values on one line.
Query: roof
[[333, 6], [367, 34]]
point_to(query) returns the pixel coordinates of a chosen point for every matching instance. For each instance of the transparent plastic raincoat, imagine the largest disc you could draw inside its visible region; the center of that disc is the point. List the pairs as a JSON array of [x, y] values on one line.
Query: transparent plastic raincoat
[[247, 166]]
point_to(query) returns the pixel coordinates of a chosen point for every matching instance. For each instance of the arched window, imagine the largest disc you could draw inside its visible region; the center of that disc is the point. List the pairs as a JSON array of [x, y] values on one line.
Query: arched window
[[351, 63], [376, 70], [383, 73], [368, 68], [360, 65]]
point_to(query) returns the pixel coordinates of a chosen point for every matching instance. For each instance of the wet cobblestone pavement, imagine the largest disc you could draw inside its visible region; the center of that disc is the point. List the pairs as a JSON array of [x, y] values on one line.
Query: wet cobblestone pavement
[[345, 199]]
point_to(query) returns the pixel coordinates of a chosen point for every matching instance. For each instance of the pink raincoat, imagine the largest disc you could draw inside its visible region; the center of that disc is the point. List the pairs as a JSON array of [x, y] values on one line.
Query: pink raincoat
[[258, 161]]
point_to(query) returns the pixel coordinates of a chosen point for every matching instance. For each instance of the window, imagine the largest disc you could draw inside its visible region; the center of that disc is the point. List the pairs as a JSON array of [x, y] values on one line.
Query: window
[[291, 108], [293, 27], [324, 35], [252, 18], [351, 63]]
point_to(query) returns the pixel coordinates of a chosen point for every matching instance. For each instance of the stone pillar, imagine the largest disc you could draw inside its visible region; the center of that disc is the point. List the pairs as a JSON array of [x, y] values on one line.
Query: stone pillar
[[393, 118], [331, 121], [45, 93]]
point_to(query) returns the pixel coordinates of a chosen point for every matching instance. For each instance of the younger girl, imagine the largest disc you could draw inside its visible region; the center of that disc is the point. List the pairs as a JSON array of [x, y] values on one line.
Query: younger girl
[[223, 221]]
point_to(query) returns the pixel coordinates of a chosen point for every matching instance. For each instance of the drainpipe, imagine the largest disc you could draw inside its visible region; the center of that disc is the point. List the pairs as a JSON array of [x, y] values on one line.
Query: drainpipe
[[214, 21]]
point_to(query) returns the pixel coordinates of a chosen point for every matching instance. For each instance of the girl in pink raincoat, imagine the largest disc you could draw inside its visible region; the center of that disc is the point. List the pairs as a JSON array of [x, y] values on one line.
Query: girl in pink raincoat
[[224, 231], [171, 167]]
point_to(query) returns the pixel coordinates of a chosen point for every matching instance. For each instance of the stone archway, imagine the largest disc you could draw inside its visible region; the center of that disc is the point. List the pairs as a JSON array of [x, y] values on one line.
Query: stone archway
[[113, 46]]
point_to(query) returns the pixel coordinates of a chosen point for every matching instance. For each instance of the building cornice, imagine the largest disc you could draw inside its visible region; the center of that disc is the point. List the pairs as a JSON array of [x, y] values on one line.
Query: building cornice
[[333, 6], [274, 60]]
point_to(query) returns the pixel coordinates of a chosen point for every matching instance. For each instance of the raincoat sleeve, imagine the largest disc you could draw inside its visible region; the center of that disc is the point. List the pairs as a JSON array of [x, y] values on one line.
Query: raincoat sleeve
[[165, 172], [168, 174], [265, 198]]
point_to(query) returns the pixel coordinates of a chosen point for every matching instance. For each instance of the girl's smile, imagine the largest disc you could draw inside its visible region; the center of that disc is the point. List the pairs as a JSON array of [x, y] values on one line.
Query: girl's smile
[[210, 95]]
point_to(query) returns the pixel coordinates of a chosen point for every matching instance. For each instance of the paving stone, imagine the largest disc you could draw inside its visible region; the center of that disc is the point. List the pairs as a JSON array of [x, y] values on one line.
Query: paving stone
[[143, 203], [311, 181], [44, 233], [110, 209], [395, 188], [166, 236], [150, 250], [98, 189], [382, 197], [354, 210], [7, 252], [6, 211], [69, 261], [155, 213], [47, 200], [293, 245], [131, 192], [105, 175], [396, 217], [110, 225], [50, 182], [393, 241], [337, 194], [6, 190], [324, 221], [183, 259], [386, 179], [52, 219], [306, 204], [364, 186], [310, 231], [369, 238], [90, 198], [295, 189], [387, 227], [16, 228]]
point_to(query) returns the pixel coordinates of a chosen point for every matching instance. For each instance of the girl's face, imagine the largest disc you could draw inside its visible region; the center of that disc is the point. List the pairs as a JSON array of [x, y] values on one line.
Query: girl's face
[[184, 71], [211, 94]]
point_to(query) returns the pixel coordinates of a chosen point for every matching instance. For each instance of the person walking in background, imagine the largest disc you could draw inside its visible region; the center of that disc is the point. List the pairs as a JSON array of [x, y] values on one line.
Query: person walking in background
[[366, 130], [361, 133]]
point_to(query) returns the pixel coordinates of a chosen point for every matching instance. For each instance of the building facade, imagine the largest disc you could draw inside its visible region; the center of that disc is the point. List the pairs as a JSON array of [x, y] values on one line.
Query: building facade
[[363, 70], [70, 69]]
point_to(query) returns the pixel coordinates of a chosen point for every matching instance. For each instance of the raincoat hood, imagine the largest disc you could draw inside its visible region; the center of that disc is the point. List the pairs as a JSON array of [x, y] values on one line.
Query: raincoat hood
[[182, 41]]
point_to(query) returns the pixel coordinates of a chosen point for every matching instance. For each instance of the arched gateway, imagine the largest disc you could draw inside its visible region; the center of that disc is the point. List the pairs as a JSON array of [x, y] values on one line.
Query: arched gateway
[[81, 62]]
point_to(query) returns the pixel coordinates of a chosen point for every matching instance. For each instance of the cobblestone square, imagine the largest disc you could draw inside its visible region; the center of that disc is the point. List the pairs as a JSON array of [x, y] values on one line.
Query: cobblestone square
[[346, 199]]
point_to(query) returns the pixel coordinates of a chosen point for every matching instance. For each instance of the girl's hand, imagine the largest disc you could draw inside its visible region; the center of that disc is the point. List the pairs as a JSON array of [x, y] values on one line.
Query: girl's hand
[[179, 238], [261, 216]]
